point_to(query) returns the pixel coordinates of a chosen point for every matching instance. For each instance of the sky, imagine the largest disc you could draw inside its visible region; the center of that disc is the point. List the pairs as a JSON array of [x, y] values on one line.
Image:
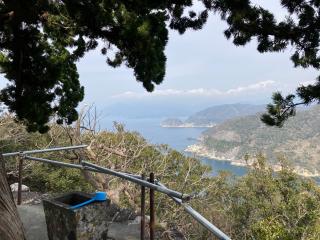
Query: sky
[[203, 69]]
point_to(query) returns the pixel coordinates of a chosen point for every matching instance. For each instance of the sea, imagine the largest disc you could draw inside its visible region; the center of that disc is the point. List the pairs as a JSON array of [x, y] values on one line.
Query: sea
[[176, 138]]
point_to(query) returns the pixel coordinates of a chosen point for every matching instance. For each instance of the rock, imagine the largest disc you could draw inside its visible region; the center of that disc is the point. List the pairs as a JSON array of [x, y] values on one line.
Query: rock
[[137, 220], [31, 198], [116, 214], [14, 187], [171, 234], [124, 231]]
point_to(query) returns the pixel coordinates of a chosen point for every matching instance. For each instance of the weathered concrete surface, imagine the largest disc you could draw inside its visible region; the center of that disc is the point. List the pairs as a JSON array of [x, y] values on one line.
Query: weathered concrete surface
[[124, 231], [121, 224], [34, 222], [97, 220], [86, 223]]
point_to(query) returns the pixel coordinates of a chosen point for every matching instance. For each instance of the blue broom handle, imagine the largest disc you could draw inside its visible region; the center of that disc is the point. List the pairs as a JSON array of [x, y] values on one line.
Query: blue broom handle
[[82, 204]]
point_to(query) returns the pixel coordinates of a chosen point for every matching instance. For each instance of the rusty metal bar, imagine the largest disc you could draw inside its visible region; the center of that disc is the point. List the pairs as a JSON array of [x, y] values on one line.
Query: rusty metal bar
[[152, 209], [143, 206], [20, 181]]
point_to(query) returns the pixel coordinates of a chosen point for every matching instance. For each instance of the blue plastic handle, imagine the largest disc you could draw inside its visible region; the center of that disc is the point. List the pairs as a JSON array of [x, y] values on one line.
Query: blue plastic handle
[[99, 196], [82, 204]]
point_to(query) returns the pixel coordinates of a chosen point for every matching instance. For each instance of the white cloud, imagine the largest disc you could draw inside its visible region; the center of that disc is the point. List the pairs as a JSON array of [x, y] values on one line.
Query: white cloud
[[252, 87], [200, 91], [306, 83]]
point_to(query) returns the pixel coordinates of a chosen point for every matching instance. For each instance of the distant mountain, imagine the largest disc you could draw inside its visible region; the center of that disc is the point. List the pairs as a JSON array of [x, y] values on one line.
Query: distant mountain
[[220, 113], [171, 122], [298, 141], [214, 115]]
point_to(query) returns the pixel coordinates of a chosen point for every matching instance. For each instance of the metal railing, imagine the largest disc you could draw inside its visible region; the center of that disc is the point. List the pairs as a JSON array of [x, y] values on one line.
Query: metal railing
[[43, 150], [178, 197]]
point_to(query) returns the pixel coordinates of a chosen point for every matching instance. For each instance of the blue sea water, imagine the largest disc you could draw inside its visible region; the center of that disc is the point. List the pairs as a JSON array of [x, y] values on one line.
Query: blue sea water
[[177, 138]]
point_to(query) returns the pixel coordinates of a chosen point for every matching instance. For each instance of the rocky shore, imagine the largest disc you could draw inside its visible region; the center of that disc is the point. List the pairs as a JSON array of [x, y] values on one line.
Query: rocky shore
[[202, 151]]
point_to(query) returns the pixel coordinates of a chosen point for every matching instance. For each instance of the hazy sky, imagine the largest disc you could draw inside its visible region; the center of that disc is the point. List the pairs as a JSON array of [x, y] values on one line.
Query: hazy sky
[[202, 66]]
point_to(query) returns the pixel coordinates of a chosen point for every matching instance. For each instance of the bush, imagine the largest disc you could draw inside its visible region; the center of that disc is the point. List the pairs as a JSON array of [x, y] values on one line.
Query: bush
[[45, 178], [261, 205]]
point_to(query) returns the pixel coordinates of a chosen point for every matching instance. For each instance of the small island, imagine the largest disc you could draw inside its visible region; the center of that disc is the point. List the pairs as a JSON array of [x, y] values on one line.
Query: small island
[[214, 115], [177, 123], [171, 122]]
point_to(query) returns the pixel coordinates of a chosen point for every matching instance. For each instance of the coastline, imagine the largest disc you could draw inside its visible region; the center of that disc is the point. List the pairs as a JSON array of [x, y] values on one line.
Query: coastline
[[201, 151], [187, 126]]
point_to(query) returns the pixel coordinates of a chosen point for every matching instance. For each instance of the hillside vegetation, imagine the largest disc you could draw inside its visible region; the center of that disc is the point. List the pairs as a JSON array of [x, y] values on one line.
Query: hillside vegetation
[[260, 205], [220, 113], [214, 115], [298, 140]]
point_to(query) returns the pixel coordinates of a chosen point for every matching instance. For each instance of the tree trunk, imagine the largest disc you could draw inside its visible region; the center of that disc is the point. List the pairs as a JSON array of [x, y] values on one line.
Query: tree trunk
[[11, 227]]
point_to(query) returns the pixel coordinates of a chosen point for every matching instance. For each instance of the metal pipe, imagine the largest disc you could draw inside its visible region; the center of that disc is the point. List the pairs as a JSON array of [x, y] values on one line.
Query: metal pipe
[[152, 214], [62, 164], [43, 150], [143, 207], [53, 162], [199, 218], [138, 181], [71, 165], [95, 168], [176, 196], [20, 180]]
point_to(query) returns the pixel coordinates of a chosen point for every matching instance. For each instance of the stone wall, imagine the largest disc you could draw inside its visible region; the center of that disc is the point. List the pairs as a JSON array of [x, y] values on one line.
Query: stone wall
[[98, 220]]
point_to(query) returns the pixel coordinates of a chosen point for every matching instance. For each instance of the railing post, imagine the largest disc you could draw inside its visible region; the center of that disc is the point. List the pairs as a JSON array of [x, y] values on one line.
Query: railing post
[[152, 215], [176, 196], [19, 180], [143, 206]]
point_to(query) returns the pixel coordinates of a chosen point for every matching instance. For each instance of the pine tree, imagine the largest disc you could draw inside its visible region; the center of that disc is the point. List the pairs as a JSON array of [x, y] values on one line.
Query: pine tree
[[41, 41]]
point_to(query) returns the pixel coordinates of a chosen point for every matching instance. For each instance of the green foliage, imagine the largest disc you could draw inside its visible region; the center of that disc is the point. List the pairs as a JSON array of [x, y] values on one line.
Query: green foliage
[[45, 178], [297, 140], [261, 205], [284, 107], [272, 206], [43, 76], [221, 113], [41, 41], [222, 145], [280, 111]]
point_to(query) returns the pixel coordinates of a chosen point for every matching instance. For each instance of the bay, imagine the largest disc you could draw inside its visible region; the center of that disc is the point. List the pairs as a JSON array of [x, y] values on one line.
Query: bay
[[176, 138]]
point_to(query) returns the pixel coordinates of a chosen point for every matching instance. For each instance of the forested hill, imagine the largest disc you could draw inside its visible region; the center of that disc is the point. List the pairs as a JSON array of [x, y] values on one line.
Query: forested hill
[[220, 113], [298, 140], [214, 115], [269, 205]]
